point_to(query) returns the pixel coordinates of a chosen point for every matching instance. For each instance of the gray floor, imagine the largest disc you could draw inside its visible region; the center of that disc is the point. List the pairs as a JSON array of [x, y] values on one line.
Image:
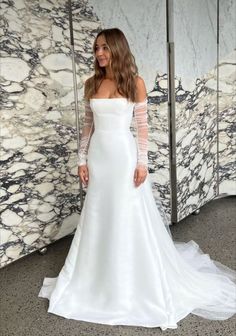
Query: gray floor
[[23, 313]]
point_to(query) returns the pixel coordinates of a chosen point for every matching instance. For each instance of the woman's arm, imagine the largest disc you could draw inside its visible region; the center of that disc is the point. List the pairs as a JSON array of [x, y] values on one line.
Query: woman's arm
[[140, 115], [87, 130]]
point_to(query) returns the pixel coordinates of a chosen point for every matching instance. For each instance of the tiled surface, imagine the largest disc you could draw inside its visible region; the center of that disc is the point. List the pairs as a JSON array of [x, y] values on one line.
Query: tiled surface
[[22, 313]]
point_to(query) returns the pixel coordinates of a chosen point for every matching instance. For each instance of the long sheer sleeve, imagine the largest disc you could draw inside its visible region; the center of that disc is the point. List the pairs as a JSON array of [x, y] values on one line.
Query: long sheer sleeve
[[85, 135], [140, 115]]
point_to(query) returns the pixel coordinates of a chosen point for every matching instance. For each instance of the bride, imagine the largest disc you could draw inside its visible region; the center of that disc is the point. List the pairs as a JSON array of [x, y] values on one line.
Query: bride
[[123, 267]]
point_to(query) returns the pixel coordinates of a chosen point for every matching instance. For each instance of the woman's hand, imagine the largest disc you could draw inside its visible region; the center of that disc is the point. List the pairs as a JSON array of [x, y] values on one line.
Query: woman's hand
[[83, 173], [140, 174]]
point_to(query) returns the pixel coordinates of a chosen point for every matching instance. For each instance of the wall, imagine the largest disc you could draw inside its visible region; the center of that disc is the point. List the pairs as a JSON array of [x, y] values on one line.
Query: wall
[[39, 182], [196, 103], [204, 146], [227, 96]]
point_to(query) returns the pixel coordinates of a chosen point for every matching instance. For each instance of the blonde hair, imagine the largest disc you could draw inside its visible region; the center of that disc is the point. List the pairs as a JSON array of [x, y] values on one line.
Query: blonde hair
[[123, 65]]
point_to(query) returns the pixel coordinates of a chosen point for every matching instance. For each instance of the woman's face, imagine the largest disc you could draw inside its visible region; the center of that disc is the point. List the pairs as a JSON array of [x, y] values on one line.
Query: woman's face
[[102, 52]]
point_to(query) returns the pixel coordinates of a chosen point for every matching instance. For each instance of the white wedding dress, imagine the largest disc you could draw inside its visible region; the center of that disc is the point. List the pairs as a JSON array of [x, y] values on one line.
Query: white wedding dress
[[123, 268]]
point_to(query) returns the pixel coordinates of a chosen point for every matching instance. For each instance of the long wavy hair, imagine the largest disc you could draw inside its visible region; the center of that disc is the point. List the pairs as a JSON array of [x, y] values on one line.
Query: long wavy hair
[[123, 65]]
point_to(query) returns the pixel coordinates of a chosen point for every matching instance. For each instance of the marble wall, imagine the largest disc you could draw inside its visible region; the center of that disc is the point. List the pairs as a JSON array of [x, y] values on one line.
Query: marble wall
[[197, 106], [227, 97], [227, 122], [39, 183]]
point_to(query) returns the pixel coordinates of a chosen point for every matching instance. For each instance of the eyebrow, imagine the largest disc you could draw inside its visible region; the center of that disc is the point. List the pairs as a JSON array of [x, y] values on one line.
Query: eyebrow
[[104, 44]]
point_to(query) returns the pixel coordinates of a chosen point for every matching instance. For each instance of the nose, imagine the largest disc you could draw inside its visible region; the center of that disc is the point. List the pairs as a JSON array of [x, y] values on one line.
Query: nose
[[99, 51]]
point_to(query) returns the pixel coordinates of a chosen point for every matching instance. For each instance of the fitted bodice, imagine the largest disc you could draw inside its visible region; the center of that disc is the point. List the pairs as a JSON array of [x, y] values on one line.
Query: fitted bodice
[[112, 114]]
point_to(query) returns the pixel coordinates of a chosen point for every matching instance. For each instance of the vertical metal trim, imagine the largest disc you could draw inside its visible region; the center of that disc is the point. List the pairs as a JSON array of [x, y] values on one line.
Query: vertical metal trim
[[217, 97], [171, 106], [75, 87]]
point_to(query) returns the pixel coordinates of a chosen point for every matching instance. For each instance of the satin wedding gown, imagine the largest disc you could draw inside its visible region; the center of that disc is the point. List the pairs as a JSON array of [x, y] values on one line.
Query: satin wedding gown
[[123, 268]]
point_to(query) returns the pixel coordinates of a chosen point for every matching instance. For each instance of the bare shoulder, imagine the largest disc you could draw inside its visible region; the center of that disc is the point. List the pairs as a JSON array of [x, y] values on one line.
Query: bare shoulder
[[139, 80], [88, 81], [141, 92], [87, 84]]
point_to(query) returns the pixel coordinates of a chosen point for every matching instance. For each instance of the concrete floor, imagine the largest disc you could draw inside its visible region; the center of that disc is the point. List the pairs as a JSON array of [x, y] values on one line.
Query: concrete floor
[[22, 313]]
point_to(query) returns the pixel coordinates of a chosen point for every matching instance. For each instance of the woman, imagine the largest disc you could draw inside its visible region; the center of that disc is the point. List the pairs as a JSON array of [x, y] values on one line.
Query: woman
[[123, 82], [123, 267]]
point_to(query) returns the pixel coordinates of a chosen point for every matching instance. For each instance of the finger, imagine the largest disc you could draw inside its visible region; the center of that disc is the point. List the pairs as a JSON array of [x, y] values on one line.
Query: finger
[[138, 184], [82, 177], [138, 181], [137, 176], [85, 178]]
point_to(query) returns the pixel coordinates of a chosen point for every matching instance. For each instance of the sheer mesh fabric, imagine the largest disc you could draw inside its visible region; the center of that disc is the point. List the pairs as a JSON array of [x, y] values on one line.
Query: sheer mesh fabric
[[85, 136], [140, 117]]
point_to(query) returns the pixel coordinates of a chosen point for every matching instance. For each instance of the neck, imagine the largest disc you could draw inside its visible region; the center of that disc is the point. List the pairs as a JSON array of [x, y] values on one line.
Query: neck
[[109, 73]]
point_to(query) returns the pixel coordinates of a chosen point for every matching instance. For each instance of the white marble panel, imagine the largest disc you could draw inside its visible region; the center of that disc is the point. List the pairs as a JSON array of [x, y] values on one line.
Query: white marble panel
[[227, 122], [145, 28], [39, 184], [195, 30], [195, 33], [227, 97]]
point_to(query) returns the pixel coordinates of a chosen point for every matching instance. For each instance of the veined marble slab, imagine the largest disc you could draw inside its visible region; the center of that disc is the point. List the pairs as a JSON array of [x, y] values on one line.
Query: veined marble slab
[[227, 123], [196, 104], [196, 147], [39, 183]]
